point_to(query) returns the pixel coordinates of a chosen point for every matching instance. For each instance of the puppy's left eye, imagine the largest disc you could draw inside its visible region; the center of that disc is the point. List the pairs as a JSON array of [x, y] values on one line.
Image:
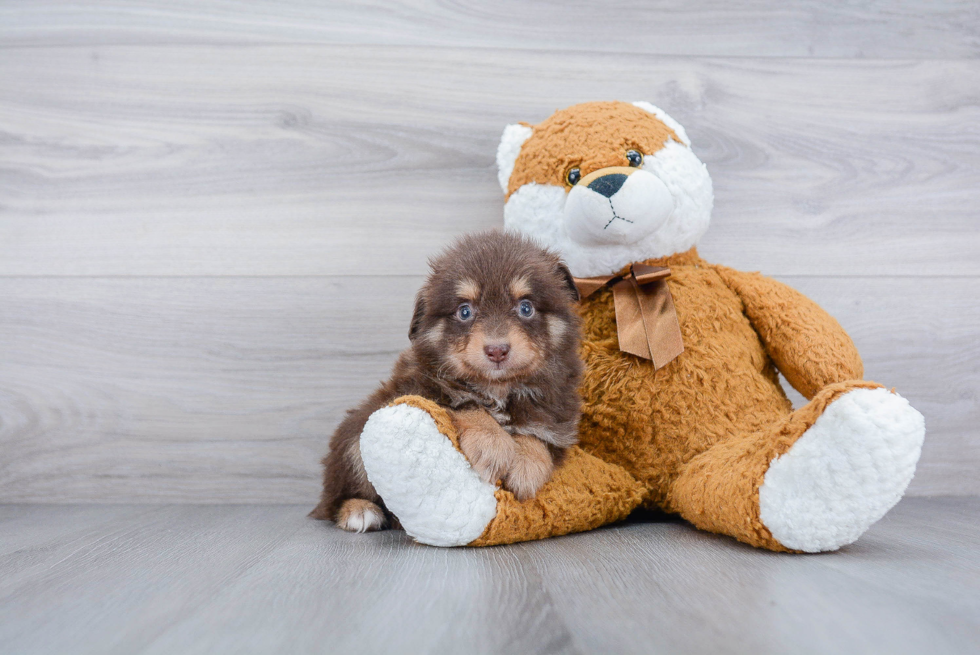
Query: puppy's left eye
[[525, 309], [635, 158], [464, 312]]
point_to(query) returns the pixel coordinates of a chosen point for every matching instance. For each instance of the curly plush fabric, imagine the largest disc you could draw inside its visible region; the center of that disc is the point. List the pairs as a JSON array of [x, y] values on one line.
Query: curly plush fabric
[[410, 458], [584, 494], [809, 347], [718, 490], [844, 472], [653, 422]]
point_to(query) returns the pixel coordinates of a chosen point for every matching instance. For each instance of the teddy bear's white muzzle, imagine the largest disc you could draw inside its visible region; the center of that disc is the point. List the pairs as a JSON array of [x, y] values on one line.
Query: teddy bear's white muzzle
[[605, 212]]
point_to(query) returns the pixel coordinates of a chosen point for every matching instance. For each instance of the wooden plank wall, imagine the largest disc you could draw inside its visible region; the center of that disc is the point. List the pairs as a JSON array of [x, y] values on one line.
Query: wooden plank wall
[[213, 215]]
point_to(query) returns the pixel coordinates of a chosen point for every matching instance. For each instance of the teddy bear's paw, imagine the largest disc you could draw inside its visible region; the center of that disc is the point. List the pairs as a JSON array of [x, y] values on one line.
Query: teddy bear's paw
[[423, 479], [844, 473]]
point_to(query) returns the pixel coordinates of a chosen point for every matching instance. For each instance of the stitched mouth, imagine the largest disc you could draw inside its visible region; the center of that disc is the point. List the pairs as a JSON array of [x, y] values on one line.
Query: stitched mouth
[[615, 216]]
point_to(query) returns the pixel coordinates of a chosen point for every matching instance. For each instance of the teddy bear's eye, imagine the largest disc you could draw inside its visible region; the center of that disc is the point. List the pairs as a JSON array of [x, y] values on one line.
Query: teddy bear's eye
[[573, 176], [635, 158]]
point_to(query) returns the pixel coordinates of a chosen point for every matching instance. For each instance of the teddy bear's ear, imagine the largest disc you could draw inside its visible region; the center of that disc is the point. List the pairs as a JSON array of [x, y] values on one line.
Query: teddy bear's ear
[[666, 120], [511, 141]]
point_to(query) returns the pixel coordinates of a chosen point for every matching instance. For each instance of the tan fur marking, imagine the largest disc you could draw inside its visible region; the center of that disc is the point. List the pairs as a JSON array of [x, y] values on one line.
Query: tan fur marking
[[359, 515], [434, 336], [520, 287], [557, 328], [524, 354], [484, 443], [468, 289], [531, 468], [472, 354]]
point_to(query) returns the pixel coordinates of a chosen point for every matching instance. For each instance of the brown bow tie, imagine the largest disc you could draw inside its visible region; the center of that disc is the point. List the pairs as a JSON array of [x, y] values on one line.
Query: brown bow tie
[[646, 322]]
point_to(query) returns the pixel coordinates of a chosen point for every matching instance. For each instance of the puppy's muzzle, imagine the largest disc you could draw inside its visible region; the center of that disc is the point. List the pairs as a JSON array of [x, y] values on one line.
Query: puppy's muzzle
[[617, 205]]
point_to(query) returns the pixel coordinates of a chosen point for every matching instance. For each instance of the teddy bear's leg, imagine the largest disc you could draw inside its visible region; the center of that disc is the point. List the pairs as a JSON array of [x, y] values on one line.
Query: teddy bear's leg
[[411, 454], [813, 482]]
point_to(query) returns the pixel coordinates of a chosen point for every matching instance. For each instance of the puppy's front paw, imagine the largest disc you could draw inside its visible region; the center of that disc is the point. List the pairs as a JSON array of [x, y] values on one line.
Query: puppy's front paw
[[484, 443], [489, 452], [531, 468], [359, 515]]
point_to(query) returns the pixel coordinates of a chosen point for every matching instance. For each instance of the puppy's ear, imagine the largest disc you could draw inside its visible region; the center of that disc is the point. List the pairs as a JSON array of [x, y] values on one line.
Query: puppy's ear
[[566, 276], [417, 316]]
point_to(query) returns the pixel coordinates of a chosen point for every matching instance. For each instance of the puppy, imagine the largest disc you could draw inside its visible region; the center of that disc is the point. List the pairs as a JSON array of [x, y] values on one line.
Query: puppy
[[494, 337]]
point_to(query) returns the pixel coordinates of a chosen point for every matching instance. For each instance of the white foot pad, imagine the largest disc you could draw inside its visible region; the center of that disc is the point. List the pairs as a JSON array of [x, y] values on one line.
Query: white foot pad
[[423, 480], [846, 471]]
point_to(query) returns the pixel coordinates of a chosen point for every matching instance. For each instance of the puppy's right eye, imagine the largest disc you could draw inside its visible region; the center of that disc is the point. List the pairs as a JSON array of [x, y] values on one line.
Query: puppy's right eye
[[573, 176], [464, 312]]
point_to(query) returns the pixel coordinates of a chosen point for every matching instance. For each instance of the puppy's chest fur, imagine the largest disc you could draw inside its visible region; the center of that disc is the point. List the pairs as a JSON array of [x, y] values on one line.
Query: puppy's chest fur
[[499, 401]]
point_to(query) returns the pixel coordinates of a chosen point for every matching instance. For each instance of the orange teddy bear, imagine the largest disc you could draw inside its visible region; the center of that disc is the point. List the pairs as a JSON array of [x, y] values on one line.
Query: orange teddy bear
[[682, 407]]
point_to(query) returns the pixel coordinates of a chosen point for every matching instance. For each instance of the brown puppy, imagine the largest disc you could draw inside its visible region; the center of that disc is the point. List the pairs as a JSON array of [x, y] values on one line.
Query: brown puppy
[[495, 338]]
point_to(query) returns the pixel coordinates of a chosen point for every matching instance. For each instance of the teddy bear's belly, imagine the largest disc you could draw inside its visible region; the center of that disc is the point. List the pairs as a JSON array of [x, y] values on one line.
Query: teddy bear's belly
[[651, 423]]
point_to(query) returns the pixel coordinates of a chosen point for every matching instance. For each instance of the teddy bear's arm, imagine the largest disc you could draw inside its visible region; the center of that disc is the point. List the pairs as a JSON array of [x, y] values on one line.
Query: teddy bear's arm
[[807, 344]]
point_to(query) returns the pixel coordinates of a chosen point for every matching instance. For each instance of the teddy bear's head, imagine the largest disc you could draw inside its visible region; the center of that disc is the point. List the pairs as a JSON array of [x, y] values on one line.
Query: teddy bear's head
[[605, 184]]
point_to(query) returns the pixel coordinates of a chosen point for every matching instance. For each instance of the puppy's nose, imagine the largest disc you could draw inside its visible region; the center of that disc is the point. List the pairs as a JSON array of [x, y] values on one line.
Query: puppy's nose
[[607, 185], [497, 352]]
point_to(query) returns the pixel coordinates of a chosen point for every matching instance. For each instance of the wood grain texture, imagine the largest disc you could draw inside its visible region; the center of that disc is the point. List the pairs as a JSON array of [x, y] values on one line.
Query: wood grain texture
[[226, 389], [144, 144], [246, 579], [325, 160], [791, 28], [132, 574], [109, 387]]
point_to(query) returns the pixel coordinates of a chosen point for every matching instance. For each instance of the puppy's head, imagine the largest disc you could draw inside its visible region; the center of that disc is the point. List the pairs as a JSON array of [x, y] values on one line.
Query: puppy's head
[[495, 309]]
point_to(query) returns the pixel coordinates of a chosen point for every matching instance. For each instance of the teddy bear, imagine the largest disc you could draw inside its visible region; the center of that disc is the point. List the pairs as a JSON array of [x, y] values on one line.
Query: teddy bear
[[683, 410]]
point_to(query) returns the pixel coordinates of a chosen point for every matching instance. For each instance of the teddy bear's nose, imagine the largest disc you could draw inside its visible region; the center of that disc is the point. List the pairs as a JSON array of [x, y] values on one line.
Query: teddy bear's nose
[[607, 185]]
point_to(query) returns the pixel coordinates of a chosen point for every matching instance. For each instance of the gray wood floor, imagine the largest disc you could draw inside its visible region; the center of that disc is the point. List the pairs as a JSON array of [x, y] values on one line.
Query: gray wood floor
[[265, 579]]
